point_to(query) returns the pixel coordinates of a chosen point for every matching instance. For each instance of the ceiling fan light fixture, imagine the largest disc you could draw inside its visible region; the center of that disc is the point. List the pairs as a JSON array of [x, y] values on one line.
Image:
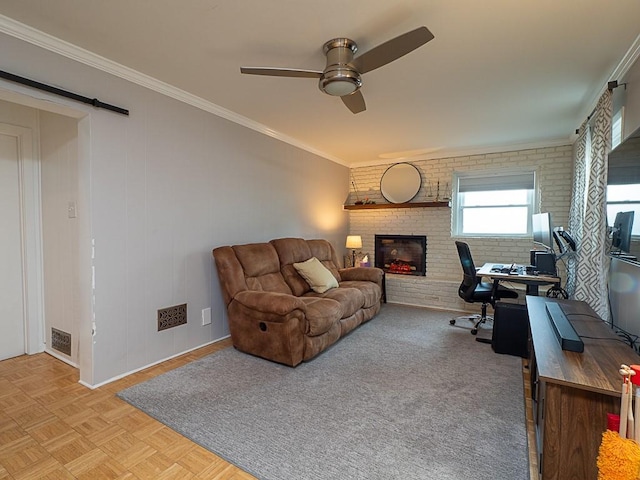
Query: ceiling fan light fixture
[[340, 82], [341, 76]]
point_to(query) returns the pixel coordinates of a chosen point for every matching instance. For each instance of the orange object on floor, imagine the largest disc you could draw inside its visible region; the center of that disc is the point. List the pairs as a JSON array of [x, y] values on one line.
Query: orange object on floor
[[618, 458]]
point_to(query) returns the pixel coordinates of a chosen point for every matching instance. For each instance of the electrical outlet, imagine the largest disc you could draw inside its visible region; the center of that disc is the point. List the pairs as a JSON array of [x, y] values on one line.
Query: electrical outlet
[[206, 316], [71, 210]]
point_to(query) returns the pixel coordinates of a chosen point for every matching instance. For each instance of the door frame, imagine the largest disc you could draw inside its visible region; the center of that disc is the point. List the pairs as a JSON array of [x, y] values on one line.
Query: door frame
[[31, 235]]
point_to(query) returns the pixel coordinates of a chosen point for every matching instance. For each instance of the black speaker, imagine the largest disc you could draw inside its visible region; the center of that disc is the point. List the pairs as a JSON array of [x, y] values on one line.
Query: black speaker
[[545, 263], [510, 329], [532, 257]]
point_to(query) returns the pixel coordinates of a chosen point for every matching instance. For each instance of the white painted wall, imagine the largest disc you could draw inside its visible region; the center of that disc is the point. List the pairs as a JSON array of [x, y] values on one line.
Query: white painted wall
[[156, 192], [59, 187]]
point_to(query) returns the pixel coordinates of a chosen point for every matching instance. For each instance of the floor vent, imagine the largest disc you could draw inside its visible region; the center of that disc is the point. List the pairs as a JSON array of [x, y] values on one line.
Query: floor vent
[[172, 316], [61, 341]]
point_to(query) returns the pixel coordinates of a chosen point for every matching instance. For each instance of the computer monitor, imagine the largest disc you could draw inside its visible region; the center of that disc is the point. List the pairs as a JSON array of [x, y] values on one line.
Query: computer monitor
[[621, 236], [542, 230]]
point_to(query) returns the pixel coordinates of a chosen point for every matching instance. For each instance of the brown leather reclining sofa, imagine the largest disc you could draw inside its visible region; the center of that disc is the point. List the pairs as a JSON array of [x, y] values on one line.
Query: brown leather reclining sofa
[[272, 310]]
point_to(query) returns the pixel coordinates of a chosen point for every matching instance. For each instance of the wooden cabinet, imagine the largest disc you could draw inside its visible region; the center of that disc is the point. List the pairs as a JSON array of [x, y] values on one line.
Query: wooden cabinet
[[573, 392]]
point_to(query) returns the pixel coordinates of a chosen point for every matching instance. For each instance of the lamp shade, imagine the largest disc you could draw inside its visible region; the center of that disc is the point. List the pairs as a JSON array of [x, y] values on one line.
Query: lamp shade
[[354, 241]]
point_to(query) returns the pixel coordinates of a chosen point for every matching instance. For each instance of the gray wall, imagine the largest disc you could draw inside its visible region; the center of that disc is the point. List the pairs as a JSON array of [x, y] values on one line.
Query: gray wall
[[156, 192]]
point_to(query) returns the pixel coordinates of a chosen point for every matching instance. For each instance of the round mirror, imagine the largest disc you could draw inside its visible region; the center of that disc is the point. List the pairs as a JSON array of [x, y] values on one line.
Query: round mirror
[[400, 183]]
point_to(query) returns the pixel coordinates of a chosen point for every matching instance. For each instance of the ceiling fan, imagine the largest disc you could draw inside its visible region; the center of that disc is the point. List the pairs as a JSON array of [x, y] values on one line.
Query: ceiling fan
[[342, 75]]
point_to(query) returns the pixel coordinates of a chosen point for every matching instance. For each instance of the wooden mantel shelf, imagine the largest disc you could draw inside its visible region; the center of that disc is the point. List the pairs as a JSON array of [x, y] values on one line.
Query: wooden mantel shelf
[[370, 206]]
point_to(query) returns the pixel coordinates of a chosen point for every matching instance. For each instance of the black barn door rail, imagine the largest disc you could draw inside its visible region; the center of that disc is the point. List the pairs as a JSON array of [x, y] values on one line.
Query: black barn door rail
[[63, 93]]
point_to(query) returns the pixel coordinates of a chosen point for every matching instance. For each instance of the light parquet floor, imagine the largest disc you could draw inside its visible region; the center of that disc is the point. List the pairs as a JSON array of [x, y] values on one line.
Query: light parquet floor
[[51, 427]]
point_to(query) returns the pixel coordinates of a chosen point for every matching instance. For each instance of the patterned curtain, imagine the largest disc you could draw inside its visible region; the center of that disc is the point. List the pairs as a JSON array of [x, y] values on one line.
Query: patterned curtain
[[581, 157], [588, 269]]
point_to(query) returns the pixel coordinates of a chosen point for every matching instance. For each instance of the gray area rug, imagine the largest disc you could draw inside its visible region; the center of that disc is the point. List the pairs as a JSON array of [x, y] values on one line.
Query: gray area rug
[[405, 396]]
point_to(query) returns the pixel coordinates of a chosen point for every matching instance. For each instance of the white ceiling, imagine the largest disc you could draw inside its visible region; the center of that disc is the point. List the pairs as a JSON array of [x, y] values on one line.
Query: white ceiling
[[499, 73]]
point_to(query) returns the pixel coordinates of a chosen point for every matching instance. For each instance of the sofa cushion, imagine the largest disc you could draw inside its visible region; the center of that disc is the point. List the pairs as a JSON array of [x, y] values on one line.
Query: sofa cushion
[[261, 267], [290, 251], [350, 299], [324, 251], [319, 278], [321, 315], [371, 291]]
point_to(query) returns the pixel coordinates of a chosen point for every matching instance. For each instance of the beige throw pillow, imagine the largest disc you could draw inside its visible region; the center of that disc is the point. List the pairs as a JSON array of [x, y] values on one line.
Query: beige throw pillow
[[319, 278]]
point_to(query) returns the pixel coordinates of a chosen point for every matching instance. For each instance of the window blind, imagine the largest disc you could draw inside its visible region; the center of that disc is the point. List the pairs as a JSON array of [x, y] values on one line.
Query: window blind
[[516, 181]]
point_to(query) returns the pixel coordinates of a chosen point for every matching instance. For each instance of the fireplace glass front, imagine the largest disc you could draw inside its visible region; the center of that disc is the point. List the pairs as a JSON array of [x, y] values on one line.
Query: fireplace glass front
[[401, 254]]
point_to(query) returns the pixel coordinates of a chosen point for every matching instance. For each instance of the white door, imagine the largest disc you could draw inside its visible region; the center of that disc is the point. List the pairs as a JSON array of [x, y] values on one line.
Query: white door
[[12, 311]]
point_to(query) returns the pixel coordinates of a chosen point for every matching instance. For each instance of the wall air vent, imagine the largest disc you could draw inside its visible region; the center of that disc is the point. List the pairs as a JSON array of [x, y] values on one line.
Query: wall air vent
[[61, 341], [172, 316]]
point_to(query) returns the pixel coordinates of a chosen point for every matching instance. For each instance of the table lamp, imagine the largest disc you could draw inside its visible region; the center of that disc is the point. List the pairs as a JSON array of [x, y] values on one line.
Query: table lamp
[[353, 242]]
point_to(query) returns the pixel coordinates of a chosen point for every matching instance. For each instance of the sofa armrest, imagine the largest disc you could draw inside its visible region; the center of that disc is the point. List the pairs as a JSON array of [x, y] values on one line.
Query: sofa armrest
[[368, 274], [270, 302]]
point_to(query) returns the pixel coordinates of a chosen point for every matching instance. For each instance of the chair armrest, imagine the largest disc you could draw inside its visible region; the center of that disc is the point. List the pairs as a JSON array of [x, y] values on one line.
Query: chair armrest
[[368, 274], [270, 302]]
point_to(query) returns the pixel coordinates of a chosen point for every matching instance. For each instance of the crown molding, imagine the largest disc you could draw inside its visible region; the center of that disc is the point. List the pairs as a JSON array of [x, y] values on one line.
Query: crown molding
[[53, 44], [627, 61], [469, 152], [618, 73]]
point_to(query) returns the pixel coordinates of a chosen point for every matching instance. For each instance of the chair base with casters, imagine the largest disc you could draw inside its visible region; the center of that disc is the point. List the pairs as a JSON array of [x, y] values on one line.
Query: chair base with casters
[[477, 319]]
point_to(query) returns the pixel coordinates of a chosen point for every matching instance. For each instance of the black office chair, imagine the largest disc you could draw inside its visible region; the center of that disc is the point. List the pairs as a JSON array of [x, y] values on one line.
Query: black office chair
[[474, 290]]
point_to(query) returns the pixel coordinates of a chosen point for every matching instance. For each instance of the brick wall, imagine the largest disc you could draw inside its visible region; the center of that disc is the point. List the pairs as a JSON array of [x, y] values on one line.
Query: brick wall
[[439, 288]]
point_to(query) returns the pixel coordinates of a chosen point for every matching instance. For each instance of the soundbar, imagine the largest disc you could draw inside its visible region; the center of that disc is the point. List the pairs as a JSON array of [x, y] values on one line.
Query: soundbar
[[565, 333]]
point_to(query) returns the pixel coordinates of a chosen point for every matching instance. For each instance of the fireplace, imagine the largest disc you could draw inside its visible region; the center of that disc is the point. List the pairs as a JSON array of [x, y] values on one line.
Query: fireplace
[[402, 254]]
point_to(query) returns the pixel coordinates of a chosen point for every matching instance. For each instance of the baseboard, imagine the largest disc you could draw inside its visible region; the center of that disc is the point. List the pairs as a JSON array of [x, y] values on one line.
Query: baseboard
[[61, 357], [430, 307], [126, 374]]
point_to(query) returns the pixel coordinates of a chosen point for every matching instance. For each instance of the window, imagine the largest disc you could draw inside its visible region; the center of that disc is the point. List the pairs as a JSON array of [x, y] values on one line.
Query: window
[[494, 204], [617, 122]]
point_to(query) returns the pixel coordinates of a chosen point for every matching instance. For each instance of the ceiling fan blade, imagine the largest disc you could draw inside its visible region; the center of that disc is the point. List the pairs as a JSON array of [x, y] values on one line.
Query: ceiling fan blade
[[280, 72], [354, 102], [392, 50]]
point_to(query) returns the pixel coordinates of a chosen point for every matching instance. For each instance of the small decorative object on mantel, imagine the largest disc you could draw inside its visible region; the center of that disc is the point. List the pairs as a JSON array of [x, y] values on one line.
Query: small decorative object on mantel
[[366, 200], [447, 193]]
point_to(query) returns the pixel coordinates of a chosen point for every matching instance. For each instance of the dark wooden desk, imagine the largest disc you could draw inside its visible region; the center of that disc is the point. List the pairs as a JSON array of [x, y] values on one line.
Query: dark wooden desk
[[531, 281], [573, 392]]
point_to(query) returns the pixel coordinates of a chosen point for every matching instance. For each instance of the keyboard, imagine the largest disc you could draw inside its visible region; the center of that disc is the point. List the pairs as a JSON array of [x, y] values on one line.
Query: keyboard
[[516, 270]]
